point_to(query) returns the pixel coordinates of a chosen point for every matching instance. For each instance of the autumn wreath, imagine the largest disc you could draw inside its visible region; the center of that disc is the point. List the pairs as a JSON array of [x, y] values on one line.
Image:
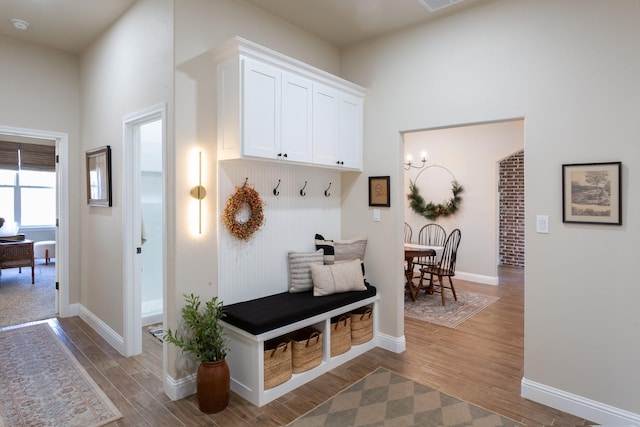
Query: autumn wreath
[[244, 195], [431, 210]]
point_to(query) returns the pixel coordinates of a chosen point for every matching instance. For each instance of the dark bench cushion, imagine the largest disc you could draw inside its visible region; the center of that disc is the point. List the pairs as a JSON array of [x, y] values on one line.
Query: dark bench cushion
[[265, 314]]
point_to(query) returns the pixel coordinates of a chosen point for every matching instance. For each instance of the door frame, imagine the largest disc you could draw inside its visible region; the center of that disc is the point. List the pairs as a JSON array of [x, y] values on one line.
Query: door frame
[[131, 262], [63, 307]]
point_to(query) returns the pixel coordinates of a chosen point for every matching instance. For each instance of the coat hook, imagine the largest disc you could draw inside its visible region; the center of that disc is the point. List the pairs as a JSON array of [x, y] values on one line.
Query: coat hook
[[275, 190], [326, 192], [245, 182], [302, 193]]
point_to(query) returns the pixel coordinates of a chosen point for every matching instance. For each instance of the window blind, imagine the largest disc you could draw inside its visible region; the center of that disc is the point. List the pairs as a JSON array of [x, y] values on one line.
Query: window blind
[[9, 155], [36, 157]]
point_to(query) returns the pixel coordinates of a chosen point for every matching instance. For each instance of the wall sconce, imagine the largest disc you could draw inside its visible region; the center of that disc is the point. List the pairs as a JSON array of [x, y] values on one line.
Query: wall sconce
[[199, 192], [408, 164]]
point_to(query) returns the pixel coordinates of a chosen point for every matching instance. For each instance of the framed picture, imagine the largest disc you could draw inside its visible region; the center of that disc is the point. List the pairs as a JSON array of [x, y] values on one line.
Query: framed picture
[[99, 176], [591, 193], [379, 191]]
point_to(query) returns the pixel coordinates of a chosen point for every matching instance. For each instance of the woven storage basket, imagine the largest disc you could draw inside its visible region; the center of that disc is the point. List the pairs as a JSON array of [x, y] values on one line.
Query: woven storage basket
[[340, 335], [306, 349], [277, 362], [361, 325]]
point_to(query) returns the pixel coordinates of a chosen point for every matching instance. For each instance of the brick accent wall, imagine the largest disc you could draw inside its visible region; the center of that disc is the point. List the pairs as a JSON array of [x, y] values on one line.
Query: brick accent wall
[[511, 189]]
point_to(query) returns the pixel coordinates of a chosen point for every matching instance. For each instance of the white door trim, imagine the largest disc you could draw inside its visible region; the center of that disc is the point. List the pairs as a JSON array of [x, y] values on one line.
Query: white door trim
[[62, 244], [131, 215]]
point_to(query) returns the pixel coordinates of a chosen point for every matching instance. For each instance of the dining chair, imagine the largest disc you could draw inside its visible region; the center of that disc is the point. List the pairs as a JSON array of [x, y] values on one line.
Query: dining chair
[[408, 233], [430, 235], [446, 266]]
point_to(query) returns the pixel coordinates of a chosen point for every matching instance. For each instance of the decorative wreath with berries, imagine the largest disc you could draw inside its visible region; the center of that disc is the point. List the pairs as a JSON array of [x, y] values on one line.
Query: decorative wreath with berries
[[430, 210], [244, 195]]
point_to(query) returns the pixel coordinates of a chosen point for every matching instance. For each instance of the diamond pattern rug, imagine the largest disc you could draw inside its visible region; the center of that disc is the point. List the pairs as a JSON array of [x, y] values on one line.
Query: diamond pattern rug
[[42, 384], [430, 309], [384, 398]]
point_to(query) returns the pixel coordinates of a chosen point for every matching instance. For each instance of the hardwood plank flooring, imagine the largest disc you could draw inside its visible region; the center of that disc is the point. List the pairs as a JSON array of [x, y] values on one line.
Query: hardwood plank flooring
[[481, 361]]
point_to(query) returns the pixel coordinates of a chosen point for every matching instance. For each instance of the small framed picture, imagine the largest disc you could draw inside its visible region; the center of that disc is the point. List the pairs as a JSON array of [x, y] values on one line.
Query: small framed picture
[[99, 176], [379, 191], [592, 193]]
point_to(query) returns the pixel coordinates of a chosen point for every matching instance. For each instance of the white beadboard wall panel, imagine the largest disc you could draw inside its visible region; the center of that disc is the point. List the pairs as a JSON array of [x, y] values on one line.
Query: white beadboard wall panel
[[258, 268]]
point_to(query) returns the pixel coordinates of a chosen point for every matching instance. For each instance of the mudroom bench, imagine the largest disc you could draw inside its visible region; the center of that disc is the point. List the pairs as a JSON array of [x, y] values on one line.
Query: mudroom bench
[[250, 324]]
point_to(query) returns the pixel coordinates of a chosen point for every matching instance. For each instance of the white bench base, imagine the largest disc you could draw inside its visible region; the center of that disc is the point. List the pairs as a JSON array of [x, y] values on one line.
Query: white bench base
[[246, 355]]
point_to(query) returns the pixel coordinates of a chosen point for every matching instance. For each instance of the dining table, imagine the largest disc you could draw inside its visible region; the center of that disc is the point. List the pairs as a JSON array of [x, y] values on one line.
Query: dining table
[[411, 252]]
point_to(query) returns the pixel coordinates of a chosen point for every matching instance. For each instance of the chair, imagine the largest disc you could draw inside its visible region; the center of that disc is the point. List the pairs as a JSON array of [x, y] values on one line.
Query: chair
[[446, 267], [430, 235], [408, 233]]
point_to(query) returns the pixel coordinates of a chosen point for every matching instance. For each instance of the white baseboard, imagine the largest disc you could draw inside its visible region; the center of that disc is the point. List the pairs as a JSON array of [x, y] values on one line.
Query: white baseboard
[[150, 319], [116, 341], [394, 344], [478, 278], [179, 389], [577, 405]]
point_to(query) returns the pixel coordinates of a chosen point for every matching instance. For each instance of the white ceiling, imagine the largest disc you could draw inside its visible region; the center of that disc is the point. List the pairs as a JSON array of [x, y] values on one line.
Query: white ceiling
[[71, 25], [68, 25]]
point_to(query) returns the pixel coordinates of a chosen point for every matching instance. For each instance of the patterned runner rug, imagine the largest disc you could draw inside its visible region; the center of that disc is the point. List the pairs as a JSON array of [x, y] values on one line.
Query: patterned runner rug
[[384, 398], [430, 309], [42, 384]]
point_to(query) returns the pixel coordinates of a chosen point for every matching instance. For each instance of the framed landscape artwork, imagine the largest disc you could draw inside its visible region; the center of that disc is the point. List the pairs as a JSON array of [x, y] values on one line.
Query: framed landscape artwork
[[99, 176], [591, 193]]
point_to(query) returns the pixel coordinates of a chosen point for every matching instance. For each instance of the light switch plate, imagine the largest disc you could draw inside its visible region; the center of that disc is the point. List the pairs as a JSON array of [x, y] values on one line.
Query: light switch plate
[[542, 224], [376, 214]]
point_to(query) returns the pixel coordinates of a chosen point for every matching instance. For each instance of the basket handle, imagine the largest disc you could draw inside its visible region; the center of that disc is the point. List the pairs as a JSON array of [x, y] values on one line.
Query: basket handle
[[368, 312], [285, 344], [314, 334], [342, 318]]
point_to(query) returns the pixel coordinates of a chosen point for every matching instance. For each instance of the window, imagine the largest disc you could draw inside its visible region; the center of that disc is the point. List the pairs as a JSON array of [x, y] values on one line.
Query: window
[[28, 188]]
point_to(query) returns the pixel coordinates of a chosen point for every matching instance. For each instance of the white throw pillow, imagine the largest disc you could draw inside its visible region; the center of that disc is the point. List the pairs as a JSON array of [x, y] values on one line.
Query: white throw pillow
[[336, 278], [299, 269]]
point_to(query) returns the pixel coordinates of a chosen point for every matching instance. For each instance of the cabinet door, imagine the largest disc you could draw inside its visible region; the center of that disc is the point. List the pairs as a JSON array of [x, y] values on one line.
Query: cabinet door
[[325, 125], [297, 102], [261, 99], [349, 149]]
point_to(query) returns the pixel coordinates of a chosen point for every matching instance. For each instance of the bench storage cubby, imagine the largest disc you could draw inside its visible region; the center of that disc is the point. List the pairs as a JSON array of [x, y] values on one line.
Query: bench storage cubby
[[251, 324]]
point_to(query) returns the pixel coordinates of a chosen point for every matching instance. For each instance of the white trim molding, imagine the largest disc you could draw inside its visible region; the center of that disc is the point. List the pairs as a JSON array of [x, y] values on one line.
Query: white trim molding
[[477, 278], [179, 389], [116, 341], [394, 344], [577, 405]]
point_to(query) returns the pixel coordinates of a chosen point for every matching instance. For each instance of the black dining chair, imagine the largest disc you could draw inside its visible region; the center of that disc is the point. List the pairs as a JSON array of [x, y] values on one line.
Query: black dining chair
[[430, 235], [445, 267], [408, 233]]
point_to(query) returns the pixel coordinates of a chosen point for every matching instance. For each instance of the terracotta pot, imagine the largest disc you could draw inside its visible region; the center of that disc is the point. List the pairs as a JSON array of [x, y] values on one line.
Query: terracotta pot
[[212, 385]]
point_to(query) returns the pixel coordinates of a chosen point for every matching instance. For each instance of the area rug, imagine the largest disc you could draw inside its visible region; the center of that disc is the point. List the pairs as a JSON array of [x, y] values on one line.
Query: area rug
[[157, 331], [384, 398], [42, 384], [430, 309], [22, 302]]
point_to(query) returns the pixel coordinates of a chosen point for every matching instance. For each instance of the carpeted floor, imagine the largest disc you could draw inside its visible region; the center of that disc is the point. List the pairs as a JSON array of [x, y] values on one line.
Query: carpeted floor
[[22, 302], [42, 384], [384, 398], [430, 309]]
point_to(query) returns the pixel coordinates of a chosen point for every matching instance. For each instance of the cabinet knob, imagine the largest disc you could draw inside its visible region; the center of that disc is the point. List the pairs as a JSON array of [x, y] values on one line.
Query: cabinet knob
[[279, 154], [285, 155]]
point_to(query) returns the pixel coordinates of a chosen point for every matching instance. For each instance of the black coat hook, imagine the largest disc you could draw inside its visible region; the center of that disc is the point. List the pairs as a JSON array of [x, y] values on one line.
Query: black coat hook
[[326, 192], [275, 190], [245, 182], [302, 193]]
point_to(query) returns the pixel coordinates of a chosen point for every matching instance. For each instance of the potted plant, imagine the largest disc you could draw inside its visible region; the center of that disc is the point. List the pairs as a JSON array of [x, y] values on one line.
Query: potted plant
[[203, 337]]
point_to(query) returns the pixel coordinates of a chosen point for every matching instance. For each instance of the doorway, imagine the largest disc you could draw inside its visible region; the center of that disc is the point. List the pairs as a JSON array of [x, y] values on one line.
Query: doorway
[[61, 231], [143, 219]]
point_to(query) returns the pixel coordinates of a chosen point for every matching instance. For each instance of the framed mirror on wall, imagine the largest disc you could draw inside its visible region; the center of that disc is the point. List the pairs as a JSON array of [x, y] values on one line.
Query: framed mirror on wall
[[99, 176]]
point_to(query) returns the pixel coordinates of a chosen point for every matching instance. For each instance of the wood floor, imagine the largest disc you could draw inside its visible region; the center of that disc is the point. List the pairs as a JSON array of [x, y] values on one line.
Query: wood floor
[[481, 362]]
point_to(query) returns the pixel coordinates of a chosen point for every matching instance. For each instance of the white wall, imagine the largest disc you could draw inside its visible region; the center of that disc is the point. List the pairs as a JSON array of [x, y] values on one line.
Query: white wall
[[201, 25], [128, 69], [570, 69], [40, 90], [471, 154]]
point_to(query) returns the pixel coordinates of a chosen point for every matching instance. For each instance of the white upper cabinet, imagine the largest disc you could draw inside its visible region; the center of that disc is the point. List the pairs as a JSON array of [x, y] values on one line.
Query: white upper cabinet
[[274, 107]]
